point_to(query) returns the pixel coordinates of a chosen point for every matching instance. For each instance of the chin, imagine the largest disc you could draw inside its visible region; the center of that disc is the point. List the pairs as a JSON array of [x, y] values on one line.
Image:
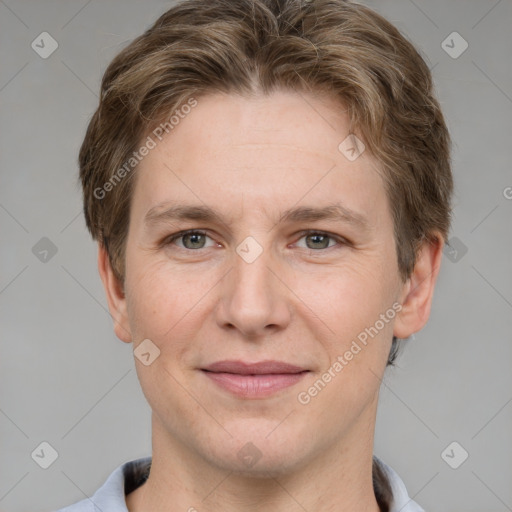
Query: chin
[[264, 466], [257, 452]]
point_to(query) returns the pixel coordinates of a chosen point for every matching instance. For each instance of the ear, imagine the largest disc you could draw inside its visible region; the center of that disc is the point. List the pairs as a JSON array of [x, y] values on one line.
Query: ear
[[115, 296], [419, 289]]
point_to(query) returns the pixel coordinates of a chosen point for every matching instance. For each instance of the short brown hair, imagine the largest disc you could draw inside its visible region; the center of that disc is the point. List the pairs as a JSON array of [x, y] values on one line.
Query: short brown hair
[[257, 46], [248, 46]]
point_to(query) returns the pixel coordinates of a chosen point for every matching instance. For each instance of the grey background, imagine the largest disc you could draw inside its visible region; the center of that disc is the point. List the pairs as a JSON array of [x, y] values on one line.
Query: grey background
[[67, 380]]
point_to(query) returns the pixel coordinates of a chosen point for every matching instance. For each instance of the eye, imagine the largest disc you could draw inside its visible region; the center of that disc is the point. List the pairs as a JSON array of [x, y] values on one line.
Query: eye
[[190, 240], [320, 240], [197, 239]]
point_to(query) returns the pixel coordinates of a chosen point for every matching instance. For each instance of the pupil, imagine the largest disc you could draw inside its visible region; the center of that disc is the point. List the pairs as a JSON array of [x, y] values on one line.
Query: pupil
[[319, 238], [193, 237]]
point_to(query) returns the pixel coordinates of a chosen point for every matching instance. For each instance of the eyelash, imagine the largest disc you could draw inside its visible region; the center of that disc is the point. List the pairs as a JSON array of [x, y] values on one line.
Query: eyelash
[[341, 241]]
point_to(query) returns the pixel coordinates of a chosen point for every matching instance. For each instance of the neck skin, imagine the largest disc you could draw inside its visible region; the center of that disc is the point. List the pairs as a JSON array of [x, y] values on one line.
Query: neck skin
[[338, 481]]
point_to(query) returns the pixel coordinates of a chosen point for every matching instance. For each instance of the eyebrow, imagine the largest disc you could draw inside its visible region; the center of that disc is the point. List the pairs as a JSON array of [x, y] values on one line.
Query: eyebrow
[[164, 213]]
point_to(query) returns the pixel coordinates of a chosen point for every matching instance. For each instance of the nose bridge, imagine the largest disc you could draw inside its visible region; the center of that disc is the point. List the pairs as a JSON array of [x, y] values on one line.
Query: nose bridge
[[252, 267], [253, 300]]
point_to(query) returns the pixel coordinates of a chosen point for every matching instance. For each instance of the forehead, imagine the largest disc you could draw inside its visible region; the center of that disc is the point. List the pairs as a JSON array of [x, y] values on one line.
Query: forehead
[[267, 152], [282, 118]]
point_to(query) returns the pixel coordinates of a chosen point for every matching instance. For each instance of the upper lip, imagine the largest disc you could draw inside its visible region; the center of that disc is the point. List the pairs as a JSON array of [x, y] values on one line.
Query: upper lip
[[258, 368]]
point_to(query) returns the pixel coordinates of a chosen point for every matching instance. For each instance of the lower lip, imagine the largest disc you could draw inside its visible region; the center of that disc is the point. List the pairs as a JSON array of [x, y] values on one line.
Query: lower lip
[[254, 386]]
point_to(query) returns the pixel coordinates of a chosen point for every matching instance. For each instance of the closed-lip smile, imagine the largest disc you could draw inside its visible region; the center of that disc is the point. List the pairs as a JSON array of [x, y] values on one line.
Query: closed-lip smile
[[254, 380]]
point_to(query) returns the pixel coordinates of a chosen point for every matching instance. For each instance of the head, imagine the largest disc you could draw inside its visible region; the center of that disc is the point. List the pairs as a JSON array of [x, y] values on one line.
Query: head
[[254, 111]]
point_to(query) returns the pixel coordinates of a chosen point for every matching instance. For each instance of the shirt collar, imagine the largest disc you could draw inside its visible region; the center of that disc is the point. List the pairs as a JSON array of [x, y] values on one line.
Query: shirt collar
[[131, 475]]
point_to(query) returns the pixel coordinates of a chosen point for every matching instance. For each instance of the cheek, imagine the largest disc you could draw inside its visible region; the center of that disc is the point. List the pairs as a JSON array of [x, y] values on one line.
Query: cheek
[[156, 297], [168, 305], [161, 306], [357, 344], [350, 302]]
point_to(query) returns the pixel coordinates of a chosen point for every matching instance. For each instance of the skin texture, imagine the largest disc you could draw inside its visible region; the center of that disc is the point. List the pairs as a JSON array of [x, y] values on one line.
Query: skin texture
[[250, 159]]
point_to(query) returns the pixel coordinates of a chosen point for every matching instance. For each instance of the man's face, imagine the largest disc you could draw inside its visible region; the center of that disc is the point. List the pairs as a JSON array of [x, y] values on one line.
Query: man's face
[[257, 285]]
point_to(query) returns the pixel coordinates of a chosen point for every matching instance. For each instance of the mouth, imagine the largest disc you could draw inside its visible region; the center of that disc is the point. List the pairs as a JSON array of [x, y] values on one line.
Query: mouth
[[254, 380]]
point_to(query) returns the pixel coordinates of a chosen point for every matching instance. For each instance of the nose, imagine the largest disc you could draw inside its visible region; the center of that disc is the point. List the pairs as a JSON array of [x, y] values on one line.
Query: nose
[[254, 300]]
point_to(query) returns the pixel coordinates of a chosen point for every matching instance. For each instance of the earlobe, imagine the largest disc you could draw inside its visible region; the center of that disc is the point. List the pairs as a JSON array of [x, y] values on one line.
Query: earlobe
[[418, 291], [115, 296]]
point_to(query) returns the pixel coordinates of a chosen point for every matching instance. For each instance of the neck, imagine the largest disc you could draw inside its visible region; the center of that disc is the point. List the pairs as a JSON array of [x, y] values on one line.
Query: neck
[[339, 480]]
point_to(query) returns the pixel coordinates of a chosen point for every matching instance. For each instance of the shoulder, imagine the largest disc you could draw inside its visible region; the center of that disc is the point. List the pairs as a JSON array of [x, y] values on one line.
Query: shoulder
[[401, 500], [110, 497]]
